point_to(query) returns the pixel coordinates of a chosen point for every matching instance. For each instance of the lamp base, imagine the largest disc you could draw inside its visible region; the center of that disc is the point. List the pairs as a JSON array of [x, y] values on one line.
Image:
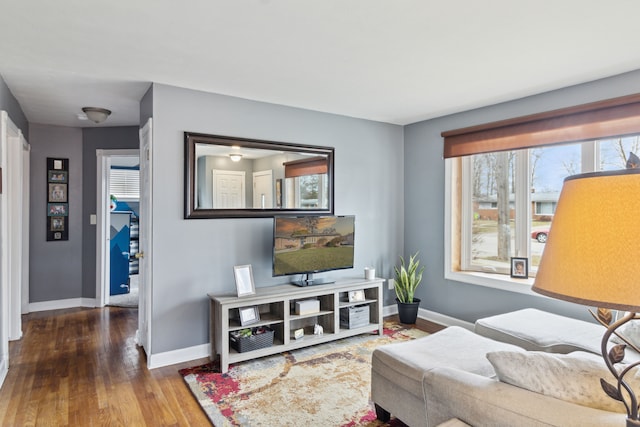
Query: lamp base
[[633, 423]]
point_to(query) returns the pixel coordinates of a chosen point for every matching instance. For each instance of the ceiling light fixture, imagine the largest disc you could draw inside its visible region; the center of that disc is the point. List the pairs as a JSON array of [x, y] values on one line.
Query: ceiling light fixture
[[95, 114], [235, 157]]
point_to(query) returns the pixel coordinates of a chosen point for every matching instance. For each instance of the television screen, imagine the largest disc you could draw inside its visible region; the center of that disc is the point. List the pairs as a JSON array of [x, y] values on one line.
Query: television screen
[[311, 244]]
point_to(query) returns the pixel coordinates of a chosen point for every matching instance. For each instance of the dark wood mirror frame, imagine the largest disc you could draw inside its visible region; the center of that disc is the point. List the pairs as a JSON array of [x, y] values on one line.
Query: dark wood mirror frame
[[191, 211]]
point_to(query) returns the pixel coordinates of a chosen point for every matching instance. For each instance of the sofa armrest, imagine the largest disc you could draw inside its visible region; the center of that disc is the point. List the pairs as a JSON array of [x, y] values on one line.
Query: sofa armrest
[[480, 401]]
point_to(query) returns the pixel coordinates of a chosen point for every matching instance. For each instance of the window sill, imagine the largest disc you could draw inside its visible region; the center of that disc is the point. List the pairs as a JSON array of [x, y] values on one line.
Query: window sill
[[496, 281]]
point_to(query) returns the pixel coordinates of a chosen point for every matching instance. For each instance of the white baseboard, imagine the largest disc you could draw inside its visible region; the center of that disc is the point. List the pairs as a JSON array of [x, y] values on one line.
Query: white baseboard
[[432, 316], [4, 369], [178, 356], [61, 304]]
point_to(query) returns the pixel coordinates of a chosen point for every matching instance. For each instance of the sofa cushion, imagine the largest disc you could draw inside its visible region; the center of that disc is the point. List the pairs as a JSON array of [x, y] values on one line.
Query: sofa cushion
[[538, 330], [404, 363], [571, 377]]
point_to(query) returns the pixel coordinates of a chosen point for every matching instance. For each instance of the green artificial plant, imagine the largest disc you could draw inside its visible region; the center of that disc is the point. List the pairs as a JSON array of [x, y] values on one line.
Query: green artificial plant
[[407, 278]]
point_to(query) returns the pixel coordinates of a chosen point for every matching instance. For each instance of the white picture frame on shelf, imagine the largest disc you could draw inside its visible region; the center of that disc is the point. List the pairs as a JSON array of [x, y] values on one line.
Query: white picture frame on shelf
[[356, 296], [249, 315], [244, 280]]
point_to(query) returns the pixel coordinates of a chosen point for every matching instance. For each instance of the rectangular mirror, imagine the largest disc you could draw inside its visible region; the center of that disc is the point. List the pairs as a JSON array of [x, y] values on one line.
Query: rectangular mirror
[[228, 177]]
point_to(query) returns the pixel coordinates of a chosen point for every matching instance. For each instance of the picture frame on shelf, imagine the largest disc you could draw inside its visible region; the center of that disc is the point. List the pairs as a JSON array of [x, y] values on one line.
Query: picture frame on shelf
[[519, 268], [244, 280], [249, 315], [356, 296]]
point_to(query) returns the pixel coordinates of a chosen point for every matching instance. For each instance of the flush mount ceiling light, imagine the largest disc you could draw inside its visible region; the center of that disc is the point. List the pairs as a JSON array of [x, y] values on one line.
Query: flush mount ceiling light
[[235, 157], [95, 114]]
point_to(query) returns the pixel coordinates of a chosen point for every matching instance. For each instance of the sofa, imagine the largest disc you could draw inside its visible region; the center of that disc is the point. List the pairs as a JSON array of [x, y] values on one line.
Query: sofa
[[457, 376]]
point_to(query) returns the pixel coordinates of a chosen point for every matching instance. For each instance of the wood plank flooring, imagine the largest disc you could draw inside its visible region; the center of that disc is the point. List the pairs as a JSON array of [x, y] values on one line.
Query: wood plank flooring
[[81, 367]]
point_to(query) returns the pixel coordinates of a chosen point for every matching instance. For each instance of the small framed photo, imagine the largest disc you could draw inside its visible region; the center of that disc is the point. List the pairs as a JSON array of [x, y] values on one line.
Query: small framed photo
[[57, 164], [249, 315], [58, 193], [355, 296], [57, 209], [519, 268], [57, 223], [57, 176], [244, 280]]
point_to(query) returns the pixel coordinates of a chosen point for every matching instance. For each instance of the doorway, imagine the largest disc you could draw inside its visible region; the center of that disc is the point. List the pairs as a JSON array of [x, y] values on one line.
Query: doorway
[[112, 212]]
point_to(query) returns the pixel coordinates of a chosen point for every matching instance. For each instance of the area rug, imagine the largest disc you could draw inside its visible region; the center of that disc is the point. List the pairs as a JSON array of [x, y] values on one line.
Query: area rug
[[322, 385]]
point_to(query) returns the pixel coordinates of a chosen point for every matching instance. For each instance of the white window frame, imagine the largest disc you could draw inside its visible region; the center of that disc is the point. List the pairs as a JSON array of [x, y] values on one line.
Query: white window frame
[[590, 161]]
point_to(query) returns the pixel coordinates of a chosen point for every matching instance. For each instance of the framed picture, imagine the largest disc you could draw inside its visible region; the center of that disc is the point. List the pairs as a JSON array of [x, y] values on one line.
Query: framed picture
[[58, 193], [244, 280], [57, 209], [355, 296], [519, 267], [57, 176], [57, 223], [249, 315]]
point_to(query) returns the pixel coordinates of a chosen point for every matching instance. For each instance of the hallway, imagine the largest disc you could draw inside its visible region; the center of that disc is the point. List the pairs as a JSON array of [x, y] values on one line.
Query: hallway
[[81, 367]]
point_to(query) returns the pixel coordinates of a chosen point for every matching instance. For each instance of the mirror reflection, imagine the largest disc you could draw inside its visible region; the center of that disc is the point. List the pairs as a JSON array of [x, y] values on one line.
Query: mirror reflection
[[235, 177]]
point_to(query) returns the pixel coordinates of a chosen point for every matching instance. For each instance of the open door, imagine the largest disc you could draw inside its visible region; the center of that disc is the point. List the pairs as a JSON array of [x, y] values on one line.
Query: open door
[[143, 335]]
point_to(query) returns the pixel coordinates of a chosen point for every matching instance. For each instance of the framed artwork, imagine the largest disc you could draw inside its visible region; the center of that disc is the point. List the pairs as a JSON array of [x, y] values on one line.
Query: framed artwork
[[57, 209], [244, 280], [58, 193], [355, 296], [57, 199], [249, 315], [57, 223], [519, 268], [57, 176]]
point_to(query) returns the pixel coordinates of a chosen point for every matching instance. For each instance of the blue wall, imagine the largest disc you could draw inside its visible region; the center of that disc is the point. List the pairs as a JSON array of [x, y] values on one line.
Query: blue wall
[[194, 257], [424, 200]]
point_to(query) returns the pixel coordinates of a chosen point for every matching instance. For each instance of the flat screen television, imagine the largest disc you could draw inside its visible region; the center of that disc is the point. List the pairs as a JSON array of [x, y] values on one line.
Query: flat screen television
[[312, 244]]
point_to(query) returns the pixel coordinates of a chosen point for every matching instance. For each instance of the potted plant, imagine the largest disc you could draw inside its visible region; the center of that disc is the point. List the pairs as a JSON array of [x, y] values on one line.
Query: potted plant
[[407, 280]]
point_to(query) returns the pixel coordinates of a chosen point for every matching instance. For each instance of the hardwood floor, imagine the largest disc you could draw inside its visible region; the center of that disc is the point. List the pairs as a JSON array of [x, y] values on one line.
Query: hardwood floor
[[81, 367]]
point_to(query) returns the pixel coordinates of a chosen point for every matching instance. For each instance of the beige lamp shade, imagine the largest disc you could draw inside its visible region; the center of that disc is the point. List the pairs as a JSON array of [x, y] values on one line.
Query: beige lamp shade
[[592, 256]]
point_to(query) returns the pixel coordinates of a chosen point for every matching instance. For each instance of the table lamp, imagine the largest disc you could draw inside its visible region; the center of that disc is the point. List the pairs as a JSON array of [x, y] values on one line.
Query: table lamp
[[592, 257]]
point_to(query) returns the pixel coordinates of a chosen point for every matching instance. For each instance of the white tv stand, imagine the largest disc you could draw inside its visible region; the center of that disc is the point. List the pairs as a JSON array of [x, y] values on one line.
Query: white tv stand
[[276, 307]]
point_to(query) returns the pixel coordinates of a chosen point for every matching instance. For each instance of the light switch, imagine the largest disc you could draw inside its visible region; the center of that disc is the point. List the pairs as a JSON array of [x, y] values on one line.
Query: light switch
[[93, 219]]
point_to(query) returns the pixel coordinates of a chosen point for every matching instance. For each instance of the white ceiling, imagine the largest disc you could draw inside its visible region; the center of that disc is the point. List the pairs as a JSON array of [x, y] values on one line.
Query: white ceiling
[[395, 61]]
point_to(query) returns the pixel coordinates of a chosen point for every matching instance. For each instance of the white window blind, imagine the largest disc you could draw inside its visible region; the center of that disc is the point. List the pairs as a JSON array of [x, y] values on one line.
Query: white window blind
[[125, 183]]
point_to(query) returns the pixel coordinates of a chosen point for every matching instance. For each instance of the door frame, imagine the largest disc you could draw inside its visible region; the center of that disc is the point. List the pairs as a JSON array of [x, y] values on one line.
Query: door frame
[[14, 235], [103, 221]]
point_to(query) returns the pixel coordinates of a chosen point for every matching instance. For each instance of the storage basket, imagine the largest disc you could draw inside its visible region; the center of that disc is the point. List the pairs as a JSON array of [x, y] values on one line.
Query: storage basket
[[253, 342], [354, 317]]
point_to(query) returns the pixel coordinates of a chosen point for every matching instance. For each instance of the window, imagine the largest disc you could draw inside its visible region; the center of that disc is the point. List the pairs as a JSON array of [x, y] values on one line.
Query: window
[[125, 183], [503, 185]]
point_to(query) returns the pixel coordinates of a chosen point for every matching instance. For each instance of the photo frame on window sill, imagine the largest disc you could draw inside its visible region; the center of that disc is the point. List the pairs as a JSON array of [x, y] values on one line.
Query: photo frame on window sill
[[244, 280], [519, 268]]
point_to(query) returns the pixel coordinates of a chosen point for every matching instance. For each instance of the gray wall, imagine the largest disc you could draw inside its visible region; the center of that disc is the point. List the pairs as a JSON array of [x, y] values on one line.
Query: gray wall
[[424, 200], [9, 104], [194, 257], [55, 269], [107, 138]]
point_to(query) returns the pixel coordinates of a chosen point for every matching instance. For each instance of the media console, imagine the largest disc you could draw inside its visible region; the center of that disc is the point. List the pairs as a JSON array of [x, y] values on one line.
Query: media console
[[276, 308]]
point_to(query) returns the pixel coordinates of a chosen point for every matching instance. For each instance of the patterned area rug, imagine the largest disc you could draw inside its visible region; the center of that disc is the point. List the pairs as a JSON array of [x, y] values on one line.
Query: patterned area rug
[[323, 385]]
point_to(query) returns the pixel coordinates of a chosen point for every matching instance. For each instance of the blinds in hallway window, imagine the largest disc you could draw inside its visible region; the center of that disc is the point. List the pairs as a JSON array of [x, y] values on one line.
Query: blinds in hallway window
[[602, 119], [125, 183]]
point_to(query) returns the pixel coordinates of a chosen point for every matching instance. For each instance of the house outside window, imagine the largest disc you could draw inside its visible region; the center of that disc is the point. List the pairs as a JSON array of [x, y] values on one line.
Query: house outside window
[[506, 197]]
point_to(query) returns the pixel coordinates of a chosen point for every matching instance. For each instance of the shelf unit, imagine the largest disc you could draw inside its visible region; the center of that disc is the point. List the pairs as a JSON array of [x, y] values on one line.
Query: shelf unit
[[276, 305]]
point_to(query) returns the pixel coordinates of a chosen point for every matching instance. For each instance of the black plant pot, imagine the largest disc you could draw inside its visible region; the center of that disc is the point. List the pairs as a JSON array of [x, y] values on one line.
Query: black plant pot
[[408, 311]]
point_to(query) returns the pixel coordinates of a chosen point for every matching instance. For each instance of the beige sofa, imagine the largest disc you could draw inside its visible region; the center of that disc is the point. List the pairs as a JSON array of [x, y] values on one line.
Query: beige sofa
[[447, 375]]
